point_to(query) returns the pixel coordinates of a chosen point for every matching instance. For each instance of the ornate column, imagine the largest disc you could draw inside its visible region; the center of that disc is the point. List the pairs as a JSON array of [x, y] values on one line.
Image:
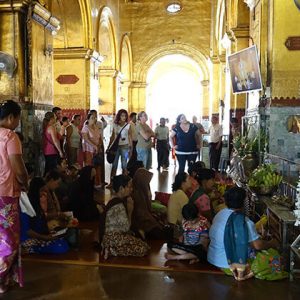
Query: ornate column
[[137, 91], [108, 93], [205, 99], [214, 85], [124, 95]]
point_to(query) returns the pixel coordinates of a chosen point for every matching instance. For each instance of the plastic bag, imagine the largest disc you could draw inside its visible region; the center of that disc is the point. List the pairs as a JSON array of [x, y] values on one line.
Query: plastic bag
[[268, 265]]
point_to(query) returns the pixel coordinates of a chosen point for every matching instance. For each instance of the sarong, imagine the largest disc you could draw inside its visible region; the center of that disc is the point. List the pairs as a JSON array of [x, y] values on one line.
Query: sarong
[[10, 254]]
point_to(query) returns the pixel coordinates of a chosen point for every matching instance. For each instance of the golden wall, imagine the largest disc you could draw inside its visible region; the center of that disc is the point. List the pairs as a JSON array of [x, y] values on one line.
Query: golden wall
[[11, 42], [152, 28], [285, 63], [41, 89], [73, 95]]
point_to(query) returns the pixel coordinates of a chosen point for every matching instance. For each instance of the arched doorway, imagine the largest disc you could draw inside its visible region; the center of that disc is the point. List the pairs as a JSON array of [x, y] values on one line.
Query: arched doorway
[[174, 87], [126, 73], [108, 73]]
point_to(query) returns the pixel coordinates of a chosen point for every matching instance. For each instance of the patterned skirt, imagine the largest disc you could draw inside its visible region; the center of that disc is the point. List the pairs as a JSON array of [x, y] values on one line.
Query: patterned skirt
[[10, 256], [45, 247], [123, 244]]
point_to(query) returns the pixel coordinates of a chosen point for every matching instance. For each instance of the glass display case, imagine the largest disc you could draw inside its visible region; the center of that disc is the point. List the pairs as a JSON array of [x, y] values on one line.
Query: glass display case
[[255, 132]]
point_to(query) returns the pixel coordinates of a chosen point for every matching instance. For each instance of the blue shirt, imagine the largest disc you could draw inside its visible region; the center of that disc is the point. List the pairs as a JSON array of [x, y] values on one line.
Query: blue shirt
[[216, 252], [186, 141]]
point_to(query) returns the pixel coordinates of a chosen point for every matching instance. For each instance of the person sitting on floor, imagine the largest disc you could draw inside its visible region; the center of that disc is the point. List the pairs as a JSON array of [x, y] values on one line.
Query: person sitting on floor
[[133, 166], [35, 235], [56, 218], [194, 169], [195, 237], [143, 220], [178, 198], [115, 237], [64, 185], [231, 234], [49, 202], [81, 195], [206, 180]]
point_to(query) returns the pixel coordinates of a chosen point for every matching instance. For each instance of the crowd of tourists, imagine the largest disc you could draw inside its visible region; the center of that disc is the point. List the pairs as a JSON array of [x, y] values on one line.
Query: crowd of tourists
[[41, 214]]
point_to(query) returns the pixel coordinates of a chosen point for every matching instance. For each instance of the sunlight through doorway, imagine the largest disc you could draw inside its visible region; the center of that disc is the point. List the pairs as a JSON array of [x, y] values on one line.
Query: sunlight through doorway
[[174, 87]]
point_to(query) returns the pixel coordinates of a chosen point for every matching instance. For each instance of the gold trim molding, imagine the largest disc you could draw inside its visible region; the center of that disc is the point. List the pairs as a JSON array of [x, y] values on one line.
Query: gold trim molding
[[109, 73], [70, 53], [17, 6], [239, 32], [138, 84]]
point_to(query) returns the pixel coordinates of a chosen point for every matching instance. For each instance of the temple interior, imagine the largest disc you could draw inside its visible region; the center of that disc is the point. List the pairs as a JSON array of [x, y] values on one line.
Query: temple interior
[[205, 58]]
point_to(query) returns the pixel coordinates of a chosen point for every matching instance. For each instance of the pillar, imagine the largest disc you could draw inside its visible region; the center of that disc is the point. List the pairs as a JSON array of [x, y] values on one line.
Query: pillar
[[109, 90], [137, 91]]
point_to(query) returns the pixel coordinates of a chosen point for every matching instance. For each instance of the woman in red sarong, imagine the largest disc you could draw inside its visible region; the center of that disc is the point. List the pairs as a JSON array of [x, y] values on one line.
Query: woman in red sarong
[[13, 178]]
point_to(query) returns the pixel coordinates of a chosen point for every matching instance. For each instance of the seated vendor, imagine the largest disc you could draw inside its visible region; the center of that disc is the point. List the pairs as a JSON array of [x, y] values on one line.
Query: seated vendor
[[194, 169], [231, 235], [35, 235], [49, 201], [178, 198]]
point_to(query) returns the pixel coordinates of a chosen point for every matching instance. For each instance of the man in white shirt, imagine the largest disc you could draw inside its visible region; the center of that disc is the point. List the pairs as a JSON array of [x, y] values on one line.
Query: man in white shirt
[[201, 129], [215, 145]]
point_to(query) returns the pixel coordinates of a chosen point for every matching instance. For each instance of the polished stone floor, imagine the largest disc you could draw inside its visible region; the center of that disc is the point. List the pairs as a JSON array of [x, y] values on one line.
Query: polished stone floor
[[56, 280]]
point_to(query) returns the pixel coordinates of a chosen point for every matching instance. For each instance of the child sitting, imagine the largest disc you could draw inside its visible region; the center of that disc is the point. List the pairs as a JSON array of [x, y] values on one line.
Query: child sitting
[[195, 237]]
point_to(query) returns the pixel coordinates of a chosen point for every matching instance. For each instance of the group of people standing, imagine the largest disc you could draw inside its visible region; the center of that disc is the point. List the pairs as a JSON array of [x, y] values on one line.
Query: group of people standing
[[135, 140], [63, 139]]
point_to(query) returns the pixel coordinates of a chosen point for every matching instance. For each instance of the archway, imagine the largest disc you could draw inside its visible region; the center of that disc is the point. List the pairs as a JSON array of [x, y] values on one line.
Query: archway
[[126, 72], [174, 87], [109, 76], [141, 69]]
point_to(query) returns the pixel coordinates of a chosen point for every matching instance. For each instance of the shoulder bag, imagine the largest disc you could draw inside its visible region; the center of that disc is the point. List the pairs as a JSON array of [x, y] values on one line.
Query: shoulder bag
[[112, 150]]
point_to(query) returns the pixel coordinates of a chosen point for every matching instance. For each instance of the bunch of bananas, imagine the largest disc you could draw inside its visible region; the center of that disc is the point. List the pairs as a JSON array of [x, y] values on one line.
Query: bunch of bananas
[[265, 176]]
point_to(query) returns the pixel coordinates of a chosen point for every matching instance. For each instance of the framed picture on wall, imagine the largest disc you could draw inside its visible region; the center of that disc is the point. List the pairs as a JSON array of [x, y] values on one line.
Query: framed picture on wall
[[245, 71]]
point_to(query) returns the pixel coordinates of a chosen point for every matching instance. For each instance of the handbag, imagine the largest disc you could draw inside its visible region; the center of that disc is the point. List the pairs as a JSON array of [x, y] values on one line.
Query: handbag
[[112, 150]]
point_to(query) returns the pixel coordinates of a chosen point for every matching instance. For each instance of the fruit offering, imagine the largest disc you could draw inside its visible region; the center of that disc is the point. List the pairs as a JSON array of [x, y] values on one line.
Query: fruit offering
[[264, 176]]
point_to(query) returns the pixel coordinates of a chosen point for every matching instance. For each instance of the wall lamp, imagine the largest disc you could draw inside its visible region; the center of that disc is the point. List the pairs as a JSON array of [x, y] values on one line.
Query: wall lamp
[[44, 17], [251, 3], [94, 56]]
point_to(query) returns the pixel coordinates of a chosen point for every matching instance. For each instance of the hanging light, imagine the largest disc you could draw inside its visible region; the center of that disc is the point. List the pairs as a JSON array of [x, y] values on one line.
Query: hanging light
[[250, 3], [43, 16], [95, 56]]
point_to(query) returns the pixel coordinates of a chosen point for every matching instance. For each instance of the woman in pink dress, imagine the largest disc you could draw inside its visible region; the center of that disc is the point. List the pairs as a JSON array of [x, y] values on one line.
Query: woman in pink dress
[[91, 146], [51, 145], [13, 178]]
